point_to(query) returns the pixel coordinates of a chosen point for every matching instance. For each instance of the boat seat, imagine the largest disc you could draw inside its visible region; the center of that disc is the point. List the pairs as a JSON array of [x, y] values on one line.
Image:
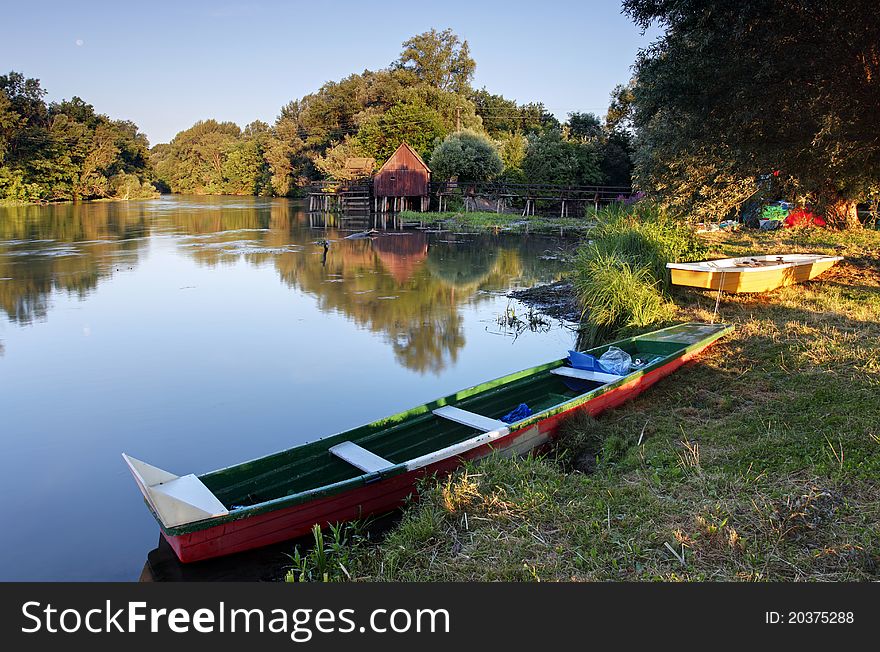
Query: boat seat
[[471, 419], [585, 374], [360, 457]]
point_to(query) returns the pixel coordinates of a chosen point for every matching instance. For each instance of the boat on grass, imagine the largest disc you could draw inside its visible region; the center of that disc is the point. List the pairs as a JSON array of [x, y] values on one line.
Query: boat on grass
[[373, 468], [751, 273]]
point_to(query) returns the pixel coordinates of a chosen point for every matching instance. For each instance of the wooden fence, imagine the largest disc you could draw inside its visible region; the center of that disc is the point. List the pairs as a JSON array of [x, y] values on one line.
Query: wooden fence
[[527, 198]]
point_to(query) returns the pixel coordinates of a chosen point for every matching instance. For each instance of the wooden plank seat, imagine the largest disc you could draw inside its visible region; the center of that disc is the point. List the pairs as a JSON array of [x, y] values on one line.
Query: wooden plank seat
[[585, 374], [360, 457], [471, 419]]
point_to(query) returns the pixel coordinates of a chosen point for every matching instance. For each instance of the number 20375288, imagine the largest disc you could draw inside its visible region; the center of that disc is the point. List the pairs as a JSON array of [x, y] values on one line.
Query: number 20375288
[[809, 617]]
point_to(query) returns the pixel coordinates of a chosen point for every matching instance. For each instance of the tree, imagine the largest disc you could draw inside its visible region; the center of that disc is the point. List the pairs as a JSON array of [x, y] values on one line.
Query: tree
[[198, 155], [440, 59], [550, 158], [512, 150], [616, 158], [415, 123], [733, 92], [584, 126], [66, 150], [501, 116], [537, 119], [332, 163], [466, 156], [620, 109]]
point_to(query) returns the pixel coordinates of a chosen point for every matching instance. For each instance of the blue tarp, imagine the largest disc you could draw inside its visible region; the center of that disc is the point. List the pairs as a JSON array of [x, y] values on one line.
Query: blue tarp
[[521, 412]]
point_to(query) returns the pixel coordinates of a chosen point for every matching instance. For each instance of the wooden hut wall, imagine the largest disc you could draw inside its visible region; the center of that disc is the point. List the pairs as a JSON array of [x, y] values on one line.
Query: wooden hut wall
[[403, 175]]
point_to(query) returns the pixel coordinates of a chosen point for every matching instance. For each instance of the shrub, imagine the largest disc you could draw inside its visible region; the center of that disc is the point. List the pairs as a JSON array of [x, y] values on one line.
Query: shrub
[[467, 156], [620, 275], [616, 292], [645, 236]]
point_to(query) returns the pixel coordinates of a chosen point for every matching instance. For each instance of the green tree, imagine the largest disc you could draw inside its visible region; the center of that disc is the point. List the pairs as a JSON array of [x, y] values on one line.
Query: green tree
[[512, 150], [499, 115], [245, 168], [584, 126], [439, 59], [66, 150], [620, 109], [734, 91], [616, 158], [332, 163], [198, 155], [415, 123], [466, 156], [537, 119], [550, 158]]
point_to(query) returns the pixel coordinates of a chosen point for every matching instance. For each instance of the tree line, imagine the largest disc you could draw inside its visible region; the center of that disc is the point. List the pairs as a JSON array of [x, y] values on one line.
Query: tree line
[[425, 98], [731, 105], [65, 150]]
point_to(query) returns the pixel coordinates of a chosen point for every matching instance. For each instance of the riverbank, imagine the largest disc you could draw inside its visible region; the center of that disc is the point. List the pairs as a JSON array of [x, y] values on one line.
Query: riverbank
[[515, 223], [555, 300], [96, 200], [757, 462]]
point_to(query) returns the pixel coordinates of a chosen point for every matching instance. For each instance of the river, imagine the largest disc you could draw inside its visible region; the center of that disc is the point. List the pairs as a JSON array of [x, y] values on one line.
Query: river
[[195, 333]]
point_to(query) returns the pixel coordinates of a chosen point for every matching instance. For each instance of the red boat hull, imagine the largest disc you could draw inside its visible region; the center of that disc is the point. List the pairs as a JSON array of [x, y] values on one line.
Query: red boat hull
[[389, 493]]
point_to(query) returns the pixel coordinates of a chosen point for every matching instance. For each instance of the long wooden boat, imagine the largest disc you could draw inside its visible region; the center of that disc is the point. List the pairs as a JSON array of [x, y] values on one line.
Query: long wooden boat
[[373, 468], [751, 273]]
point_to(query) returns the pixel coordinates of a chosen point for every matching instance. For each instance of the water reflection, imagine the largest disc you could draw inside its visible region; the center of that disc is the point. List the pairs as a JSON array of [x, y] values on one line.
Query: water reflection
[[67, 248], [405, 284]]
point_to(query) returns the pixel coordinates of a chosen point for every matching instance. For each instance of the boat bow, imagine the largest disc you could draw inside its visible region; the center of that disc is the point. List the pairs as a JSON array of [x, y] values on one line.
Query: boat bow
[[176, 500]]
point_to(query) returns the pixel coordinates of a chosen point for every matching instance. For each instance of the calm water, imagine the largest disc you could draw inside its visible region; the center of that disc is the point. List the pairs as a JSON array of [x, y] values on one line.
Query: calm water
[[195, 333]]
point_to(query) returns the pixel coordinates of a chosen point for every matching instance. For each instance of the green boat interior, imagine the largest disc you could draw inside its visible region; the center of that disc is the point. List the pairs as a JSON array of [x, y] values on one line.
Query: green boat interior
[[403, 437]]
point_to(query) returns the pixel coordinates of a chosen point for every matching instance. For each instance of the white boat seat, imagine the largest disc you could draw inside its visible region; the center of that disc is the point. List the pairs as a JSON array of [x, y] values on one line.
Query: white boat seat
[[360, 457], [471, 419], [586, 374]]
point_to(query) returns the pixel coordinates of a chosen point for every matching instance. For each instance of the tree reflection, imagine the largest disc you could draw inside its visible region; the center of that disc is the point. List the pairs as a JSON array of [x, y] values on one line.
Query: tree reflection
[[406, 286], [402, 285], [65, 247]]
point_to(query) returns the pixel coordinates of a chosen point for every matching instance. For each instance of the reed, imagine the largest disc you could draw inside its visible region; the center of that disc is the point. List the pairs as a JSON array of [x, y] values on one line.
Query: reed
[[620, 274]]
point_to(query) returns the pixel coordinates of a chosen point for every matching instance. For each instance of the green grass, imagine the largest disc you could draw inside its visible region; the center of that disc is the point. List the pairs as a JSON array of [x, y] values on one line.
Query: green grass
[[615, 292], [485, 221], [758, 462], [620, 274]]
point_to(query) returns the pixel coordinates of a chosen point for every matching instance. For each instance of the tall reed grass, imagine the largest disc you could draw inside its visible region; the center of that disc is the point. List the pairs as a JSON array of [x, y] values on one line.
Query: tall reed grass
[[620, 274]]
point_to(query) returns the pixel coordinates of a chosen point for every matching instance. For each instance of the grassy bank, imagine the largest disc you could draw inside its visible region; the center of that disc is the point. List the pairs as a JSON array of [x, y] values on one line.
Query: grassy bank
[[484, 221], [758, 462]]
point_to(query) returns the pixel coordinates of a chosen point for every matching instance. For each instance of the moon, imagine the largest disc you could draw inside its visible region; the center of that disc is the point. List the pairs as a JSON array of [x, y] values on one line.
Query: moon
[[79, 42]]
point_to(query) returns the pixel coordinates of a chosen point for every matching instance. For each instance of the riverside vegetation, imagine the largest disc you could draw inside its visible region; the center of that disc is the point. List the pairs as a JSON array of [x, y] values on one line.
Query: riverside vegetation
[[758, 462], [67, 151], [495, 222]]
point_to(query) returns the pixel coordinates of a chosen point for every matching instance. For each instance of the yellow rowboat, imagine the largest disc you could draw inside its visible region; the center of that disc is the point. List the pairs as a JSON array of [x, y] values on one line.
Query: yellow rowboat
[[751, 273]]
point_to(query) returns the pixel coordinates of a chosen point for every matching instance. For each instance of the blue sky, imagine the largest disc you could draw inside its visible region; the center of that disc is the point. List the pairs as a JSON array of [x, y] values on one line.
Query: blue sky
[[165, 65]]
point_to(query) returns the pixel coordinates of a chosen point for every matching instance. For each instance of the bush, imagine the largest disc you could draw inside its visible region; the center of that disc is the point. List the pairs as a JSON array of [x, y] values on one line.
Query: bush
[[645, 236], [621, 277], [617, 293], [467, 156]]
